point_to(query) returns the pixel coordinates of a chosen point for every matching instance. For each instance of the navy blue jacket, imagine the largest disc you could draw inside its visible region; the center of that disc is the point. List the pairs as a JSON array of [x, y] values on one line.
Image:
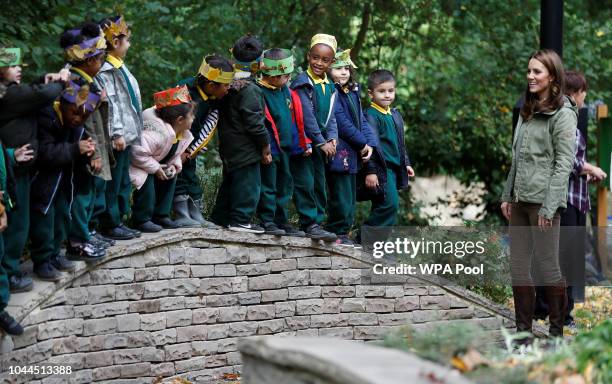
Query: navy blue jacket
[[59, 163], [304, 86], [354, 132]]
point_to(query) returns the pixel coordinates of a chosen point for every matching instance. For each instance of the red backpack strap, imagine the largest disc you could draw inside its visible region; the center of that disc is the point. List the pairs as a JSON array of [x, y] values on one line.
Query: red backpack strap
[[273, 125], [298, 119]]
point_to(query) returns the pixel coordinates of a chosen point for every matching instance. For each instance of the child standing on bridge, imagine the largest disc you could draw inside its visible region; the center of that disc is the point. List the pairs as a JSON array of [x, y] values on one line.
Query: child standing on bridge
[[355, 145], [125, 124], [318, 97], [243, 142], [388, 125], [207, 88]]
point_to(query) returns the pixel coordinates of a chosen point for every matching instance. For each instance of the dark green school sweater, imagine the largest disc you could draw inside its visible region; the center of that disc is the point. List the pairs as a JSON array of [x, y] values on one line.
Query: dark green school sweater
[[323, 94], [278, 102], [387, 135]]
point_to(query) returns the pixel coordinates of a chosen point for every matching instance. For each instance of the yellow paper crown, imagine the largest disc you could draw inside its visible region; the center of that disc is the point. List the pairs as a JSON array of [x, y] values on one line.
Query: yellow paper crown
[[116, 28], [322, 38], [215, 74]]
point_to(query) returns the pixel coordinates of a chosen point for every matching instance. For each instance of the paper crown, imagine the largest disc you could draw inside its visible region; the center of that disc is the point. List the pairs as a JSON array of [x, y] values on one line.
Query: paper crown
[[215, 74], [322, 38], [343, 59], [116, 28], [82, 96], [246, 66], [10, 57], [171, 97], [85, 49], [272, 67]]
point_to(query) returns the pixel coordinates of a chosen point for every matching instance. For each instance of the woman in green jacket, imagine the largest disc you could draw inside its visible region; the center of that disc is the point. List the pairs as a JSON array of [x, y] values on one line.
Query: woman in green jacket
[[543, 153]]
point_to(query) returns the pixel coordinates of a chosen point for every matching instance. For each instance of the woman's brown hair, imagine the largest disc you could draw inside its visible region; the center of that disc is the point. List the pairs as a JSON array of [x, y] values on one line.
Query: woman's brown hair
[[551, 60]]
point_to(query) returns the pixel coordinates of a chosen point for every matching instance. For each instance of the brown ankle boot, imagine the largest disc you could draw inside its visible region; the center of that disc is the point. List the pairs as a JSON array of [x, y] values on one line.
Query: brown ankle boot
[[556, 297], [524, 307]]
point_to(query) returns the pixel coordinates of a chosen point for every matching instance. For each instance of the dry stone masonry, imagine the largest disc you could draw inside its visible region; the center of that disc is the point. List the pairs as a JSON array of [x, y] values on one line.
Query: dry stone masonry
[[177, 304]]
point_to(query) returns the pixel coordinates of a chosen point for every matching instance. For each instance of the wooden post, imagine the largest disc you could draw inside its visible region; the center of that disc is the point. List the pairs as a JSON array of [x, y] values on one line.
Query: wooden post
[[602, 195]]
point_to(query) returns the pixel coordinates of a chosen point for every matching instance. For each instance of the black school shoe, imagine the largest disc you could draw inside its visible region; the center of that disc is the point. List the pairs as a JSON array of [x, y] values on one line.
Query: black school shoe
[[47, 272], [136, 232], [165, 222], [273, 229], [291, 231], [98, 243], [99, 237], [10, 325], [86, 252], [315, 232], [61, 263], [118, 233], [20, 283], [149, 227]]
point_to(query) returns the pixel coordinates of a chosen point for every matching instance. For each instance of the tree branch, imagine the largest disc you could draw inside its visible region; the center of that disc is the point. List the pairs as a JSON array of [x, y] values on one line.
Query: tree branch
[[363, 29]]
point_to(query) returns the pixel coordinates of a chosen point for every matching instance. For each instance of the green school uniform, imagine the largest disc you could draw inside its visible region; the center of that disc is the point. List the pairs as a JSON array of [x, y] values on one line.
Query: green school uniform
[[154, 198], [323, 90], [276, 177], [385, 213]]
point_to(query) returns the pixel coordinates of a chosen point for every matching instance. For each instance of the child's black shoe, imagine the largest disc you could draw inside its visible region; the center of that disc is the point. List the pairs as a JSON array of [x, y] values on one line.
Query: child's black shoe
[[249, 228], [149, 227], [273, 229], [135, 232], [345, 241], [20, 283], [99, 236], [47, 272], [98, 243], [10, 325], [166, 222], [314, 231], [86, 252], [118, 233], [61, 263], [291, 231]]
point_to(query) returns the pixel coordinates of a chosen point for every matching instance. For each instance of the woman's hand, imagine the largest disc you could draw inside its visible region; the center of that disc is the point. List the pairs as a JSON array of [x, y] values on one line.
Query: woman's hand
[[371, 181], [24, 154], [307, 152], [506, 209]]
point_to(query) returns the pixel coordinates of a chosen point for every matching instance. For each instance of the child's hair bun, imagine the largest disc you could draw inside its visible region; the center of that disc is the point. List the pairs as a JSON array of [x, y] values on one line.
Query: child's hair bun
[[248, 48], [90, 30]]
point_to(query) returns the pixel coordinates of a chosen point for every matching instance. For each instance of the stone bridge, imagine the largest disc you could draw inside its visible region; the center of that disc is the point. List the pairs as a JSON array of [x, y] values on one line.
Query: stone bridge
[[175, 304]]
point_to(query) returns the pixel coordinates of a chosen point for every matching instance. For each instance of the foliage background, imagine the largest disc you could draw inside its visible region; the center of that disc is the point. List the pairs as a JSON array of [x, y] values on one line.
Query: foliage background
[[460, 64]]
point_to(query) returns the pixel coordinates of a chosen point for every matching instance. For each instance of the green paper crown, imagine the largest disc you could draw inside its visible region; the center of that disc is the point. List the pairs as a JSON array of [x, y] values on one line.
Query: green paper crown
[[271, 67], [343, 59], [10, 57]]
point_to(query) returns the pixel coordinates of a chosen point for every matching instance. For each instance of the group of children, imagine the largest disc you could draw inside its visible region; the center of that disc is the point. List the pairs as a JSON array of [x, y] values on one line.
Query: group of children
[[81, 154]]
